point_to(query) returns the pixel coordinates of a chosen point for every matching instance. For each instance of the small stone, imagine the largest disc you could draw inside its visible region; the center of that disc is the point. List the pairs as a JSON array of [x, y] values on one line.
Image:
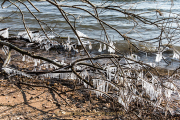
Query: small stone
[[53, 115], [31, 97], [82, 110], [54, 102], [63, 112], [94, 110], [105, 108], [21, 117], [46, 107], [88, 110]]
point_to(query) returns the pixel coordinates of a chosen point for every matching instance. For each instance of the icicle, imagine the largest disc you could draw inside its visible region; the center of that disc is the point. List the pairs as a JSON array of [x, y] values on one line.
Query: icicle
[[104, 47], [78, 68], [120, 100], [40, 68], [100, 48], [69, 46], [111, 50], [24, 58], [34, 70], [168, 93], [5, 49], [29, 59], [35, 62], [101, 86], [50, 65], [158, 56], [90, 46], [8, 59], [46, 66], [63, 63], [12, 71], [68, 41], [73, 76], [39, 61]]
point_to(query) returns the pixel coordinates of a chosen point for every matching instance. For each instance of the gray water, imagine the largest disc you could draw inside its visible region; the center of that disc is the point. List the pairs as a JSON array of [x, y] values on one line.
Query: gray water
[[89, 26]]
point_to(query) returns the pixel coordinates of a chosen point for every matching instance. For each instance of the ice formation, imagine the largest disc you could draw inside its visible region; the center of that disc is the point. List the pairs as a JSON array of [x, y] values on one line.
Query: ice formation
[[158, 57], [100, 48], [104, 47], [152, 64], [134, 57], [80, 34], [90, 46], [111, 74], [71, 76], [12, 72], [68, 45], [5, 49], [63, 63], [44, 43], [24, 58], [24, 34], [7, 61], [175, 54], [111, 49], [4, 32]]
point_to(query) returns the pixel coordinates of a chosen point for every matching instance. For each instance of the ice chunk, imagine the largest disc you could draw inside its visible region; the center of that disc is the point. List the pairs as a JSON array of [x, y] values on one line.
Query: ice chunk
[[4, 32], [24, 34], [175, 54], [80, 34], [35, 36]]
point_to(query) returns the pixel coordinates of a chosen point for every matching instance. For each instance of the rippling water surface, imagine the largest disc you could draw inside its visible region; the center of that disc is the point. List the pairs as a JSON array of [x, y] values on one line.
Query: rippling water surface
[[87, 24]]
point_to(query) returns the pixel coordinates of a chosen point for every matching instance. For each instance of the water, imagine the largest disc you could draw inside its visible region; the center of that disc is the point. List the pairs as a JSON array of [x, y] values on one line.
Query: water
[[87, 24], [90, 26]]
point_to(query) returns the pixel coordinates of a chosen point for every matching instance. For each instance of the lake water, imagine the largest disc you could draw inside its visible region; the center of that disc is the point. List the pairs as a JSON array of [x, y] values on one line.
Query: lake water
[[90, 26]]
